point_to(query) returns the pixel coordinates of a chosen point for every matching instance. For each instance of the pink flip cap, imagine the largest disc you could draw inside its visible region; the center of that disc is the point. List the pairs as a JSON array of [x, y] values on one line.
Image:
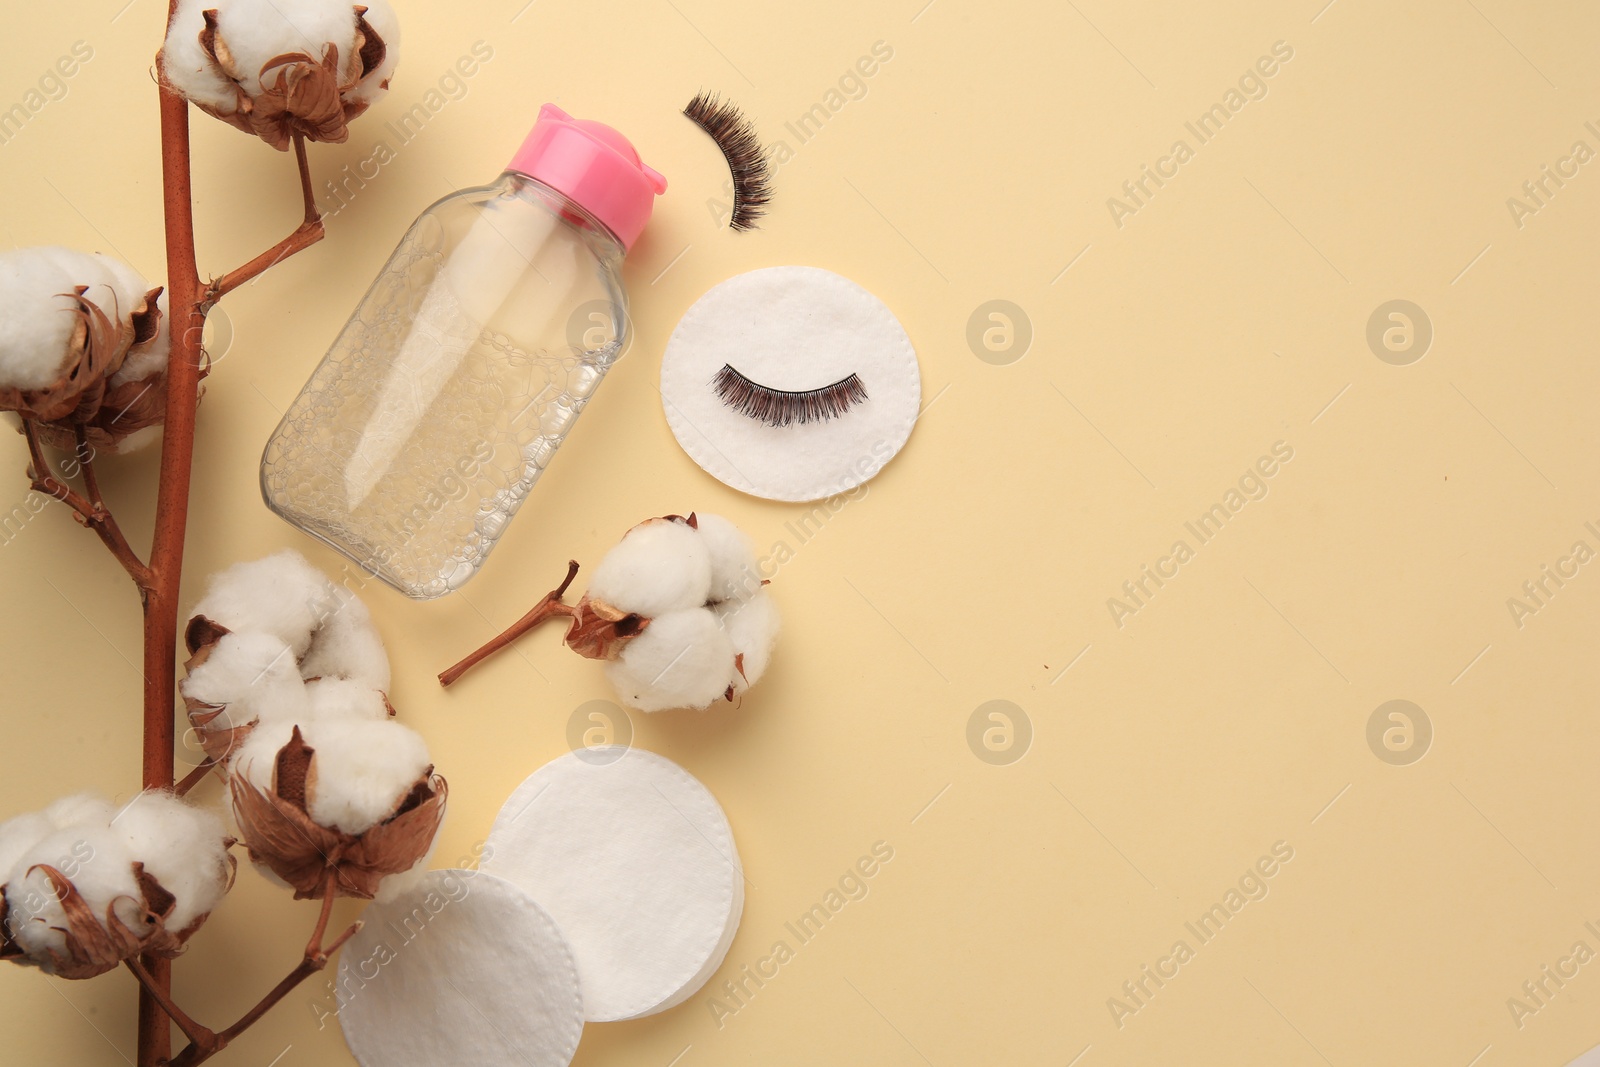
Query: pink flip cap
[[595, 167]]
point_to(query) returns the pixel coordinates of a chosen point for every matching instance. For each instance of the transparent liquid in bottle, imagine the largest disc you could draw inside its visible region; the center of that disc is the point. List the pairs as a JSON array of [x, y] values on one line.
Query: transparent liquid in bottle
[[452, 386]]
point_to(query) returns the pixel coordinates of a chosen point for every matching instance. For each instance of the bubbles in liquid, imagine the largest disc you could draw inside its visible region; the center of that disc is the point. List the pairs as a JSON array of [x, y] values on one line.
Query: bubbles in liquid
[[462, 472]]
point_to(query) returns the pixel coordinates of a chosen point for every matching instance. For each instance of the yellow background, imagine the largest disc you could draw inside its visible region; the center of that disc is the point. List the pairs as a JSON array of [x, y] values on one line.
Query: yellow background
[[1228, 714]]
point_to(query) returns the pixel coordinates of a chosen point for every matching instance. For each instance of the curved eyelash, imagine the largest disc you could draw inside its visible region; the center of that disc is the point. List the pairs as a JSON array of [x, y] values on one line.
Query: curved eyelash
[[783, 407], [736, 136]]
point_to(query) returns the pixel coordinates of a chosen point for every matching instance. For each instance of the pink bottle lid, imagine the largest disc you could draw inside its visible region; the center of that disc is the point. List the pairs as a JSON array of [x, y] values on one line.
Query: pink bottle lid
[[595, 167]]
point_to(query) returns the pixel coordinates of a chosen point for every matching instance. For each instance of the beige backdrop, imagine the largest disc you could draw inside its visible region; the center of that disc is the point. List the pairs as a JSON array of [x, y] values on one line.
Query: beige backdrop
[[1157, 749]]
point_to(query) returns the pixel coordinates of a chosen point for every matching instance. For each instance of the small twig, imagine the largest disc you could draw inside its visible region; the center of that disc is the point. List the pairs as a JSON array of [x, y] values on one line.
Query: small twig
[[195, 777], [90, 512], [308, 233], [548, 608], [316, 958], [197, 1034]]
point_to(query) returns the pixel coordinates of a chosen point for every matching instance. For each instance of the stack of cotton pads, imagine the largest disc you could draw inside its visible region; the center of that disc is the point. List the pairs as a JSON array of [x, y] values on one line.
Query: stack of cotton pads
[[611, 889]]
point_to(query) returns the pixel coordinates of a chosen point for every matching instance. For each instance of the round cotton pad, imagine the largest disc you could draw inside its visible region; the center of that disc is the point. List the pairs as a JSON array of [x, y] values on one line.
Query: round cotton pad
[[635, 861], [464, 968], [791, 329]]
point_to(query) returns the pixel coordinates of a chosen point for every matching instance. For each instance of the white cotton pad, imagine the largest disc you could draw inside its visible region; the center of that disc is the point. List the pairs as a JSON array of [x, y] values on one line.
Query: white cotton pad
[[635, 861], [463, 968], [791, 329]]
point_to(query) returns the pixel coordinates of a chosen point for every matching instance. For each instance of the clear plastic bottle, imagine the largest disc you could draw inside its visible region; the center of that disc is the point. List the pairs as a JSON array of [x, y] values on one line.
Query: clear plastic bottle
[[461, 372]]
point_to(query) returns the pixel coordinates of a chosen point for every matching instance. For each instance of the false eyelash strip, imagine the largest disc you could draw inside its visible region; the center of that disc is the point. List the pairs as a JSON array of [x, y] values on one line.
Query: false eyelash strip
[[783, 407], [736, 136]]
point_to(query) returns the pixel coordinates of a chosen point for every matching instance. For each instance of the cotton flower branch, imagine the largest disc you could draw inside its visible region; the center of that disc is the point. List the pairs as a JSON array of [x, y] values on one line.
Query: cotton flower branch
[[676, 610], [91, 361]]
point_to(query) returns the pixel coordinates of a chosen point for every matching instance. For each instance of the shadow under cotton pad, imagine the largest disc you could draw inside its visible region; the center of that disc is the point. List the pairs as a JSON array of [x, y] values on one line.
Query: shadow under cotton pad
[[464, 968], [635, 861]]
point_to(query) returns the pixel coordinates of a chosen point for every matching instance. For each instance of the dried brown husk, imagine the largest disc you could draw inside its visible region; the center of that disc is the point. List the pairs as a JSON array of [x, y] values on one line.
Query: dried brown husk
[[95, 947], [96, 350], [599, 630], [300, 93], [111, 413], [281, 836]]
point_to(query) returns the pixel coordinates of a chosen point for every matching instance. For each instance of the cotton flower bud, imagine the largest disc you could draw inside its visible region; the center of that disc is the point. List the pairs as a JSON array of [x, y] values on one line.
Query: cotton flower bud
[[85, 346], [274, 641], [336, 805], [276, 68], [677, 610], [84, 887]]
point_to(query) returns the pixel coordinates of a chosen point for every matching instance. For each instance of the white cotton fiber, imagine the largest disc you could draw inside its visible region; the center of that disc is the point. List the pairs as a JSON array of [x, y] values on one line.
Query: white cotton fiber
[[138, 440], [253, 674], [181, 847], [18, 835], [734, 574], [95, 860], [683, 659], [282, 595], [258, 31], [80, 809], [257, 757], [125, 284], [36, 308], [363, 771], [659, 566], [752, 628], [381, 17], [185, 64], [347, 645], [346, 699]]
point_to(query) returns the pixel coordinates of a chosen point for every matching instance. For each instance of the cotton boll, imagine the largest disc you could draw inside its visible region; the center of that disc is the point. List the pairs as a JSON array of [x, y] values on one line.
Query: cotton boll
[[258, 31], [752, 628], [660, 566], [282, 595], [97, 863], [181, 847], [381, 17], [733, 562], [36, 308], [185, 64], [345, 699], [683, 659], [347, 645], [254, 675], [363, 771]]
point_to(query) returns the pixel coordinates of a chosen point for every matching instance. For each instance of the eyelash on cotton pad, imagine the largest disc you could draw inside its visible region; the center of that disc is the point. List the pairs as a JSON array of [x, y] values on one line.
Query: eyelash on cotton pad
[[736, 136], [784, 407]]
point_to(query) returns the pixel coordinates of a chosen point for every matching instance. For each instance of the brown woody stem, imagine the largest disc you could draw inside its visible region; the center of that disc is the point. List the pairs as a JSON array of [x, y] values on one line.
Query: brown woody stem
[[90, 511], [195, 777], [545, 610], [308, 233], [316, 957], [196, 1033], [188, 301]]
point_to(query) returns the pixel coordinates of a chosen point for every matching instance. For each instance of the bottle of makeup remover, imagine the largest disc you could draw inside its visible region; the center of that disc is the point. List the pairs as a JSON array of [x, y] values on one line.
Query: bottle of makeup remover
[[459, 375]]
